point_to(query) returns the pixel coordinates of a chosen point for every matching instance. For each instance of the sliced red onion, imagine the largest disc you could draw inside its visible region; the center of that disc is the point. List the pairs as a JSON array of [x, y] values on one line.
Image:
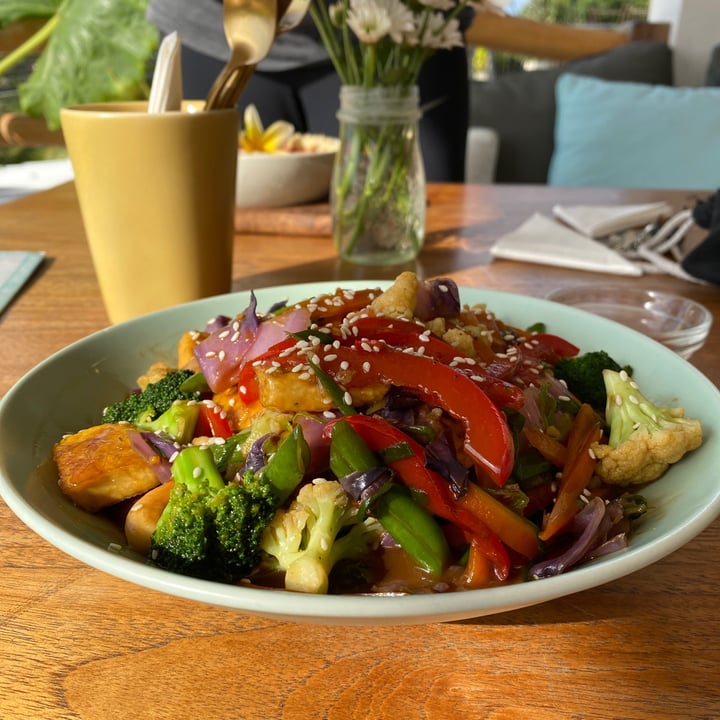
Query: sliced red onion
[[257, 457], [363, 484], [219, 321], [614, 544], [221, 353], [275, 329], [441, 458], [224, 353], [437, 298], [162, 445], [587, 522], [319, 446], [157, 461]]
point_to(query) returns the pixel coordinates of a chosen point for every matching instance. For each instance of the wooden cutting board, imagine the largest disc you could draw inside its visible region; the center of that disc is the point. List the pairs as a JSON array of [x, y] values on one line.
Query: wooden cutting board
[[311, 219]]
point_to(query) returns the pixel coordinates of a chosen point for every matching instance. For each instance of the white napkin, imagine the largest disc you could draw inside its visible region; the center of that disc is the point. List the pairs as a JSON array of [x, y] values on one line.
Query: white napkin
[[20, 179], [542, 240], [598, 221]]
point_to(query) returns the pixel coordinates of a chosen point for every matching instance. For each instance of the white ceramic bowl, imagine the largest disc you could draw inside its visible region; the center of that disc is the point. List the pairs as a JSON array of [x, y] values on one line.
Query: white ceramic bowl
[[677, 322], [78, 381], [285, 178]]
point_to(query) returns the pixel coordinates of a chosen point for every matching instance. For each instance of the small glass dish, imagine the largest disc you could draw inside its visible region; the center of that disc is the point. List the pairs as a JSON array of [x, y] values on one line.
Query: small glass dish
[[677, 322]]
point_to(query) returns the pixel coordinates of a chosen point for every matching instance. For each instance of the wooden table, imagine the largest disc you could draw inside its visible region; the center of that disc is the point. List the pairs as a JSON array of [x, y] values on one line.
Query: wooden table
[[76, 643]]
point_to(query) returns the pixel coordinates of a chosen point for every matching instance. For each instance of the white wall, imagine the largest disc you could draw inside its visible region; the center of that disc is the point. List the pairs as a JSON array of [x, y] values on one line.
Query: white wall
[[695, 31]]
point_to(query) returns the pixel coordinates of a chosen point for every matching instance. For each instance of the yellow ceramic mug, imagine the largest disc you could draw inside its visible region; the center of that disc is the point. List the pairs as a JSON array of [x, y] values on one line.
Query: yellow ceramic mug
[[157, 196]]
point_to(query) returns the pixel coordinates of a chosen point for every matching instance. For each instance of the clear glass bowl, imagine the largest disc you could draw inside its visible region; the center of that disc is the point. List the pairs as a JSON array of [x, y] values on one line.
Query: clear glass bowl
[[677, 322]]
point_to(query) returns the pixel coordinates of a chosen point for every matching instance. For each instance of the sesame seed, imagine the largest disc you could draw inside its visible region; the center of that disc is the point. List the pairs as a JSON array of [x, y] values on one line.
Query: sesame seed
[[330, 357], [344, 365], [366, 366], [221, 355], [210, 354], [347, 397], [197, 472], [304, 376]]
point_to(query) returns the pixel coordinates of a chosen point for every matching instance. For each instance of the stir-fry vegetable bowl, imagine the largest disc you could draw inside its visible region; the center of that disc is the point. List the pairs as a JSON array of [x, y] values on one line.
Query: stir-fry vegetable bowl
[[76, 383]]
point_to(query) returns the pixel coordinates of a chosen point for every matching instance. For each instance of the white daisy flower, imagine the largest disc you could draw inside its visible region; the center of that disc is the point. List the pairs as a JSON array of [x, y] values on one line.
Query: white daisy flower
[[440, 33], [402, 20], [368, 20]]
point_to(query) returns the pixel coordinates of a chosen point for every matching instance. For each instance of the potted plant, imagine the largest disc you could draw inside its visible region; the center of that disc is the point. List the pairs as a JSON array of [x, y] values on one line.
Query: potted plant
[[86, 51]]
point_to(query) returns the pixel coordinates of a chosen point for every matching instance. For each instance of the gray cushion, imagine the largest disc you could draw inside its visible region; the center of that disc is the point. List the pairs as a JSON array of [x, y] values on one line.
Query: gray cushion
[[521, 106]]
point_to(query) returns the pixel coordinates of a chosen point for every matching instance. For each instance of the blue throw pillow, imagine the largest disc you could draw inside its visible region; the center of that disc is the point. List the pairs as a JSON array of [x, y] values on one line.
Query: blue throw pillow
[[625, 134]]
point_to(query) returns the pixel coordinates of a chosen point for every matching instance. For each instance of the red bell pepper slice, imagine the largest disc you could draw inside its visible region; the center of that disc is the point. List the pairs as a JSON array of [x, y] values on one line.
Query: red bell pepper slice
[[405, 334], [379, 435], [488, 440], [212, 423], [549, 348]]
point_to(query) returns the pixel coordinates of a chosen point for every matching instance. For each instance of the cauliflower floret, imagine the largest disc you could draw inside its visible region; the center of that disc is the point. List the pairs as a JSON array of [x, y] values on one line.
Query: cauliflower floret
[[461, 340], [400, 299], [645, 439], [319, 529]]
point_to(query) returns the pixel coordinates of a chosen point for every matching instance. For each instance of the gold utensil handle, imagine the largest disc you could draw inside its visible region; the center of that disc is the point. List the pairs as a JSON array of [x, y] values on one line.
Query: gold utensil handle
[[228, 87]]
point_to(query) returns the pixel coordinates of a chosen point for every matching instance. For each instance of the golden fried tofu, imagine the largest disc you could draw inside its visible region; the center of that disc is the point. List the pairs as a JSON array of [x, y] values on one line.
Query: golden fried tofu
[[185, 350], [289, 391], [143, 516], [102, 465], [155, 373]]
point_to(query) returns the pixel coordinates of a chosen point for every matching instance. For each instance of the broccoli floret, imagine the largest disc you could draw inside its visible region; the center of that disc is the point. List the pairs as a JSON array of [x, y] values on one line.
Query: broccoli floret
[[210, 529], [583, 375], [148, 405], [177, 423], [645, 439], [320, 529]]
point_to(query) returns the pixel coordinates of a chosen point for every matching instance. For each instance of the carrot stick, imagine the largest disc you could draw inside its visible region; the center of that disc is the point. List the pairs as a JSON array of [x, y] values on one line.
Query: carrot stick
[[514, 530], [550, 448], [478, 571], [577, 473]]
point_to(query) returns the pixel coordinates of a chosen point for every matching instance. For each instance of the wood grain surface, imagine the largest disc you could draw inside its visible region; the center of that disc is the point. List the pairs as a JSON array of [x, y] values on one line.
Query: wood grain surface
[[77, 644]]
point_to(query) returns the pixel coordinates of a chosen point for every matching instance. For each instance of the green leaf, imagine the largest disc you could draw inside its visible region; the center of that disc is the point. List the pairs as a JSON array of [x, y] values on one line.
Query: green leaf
[[98, 52], [13, 10]]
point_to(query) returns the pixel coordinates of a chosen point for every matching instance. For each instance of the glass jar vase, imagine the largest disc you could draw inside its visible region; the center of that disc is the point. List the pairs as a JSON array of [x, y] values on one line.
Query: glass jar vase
[[377, 195]]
